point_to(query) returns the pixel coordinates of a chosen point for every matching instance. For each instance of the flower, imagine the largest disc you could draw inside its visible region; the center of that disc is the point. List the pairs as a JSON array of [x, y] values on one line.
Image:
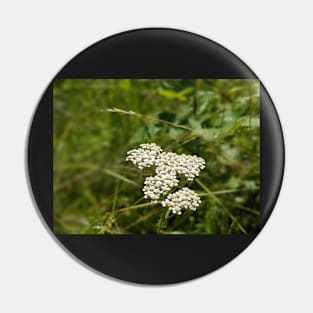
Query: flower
[[145, 156], [184, 198], [169, 168], [187, 165], [156, 186]]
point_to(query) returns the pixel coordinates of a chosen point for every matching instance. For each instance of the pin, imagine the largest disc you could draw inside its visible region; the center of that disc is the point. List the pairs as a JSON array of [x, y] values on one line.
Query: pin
[[155, 156]]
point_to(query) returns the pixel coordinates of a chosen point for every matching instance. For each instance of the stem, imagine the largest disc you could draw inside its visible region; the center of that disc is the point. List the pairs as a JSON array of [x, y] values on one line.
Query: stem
[[141, 219], [217, 200], [248, 209], [115, 195], [152, 118], [220, 192], [142, 205], [162, 222]]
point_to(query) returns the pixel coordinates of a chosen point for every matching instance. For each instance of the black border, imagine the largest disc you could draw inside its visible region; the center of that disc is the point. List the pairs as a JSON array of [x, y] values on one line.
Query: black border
[[154, 53]]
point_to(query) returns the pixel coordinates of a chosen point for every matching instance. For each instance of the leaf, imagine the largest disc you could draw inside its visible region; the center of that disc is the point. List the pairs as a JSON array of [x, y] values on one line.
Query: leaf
[[167, 116], [251, 122], [194, 123], [144, 133], [204, 98], [139, 135], [152, 130], [174, 95], [124, 84], [174, 132], [207, 133]]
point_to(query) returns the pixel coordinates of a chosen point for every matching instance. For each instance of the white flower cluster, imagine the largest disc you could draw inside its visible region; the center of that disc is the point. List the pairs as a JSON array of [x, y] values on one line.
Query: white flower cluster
[[156, 186], [184, 198], [169, 167], [187, 165], [145, 156]]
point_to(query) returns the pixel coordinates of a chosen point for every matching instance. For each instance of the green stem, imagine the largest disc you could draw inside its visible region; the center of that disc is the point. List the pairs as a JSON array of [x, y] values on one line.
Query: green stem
[[115, 195], [141, 219], [138, 206], [217, 200], [220, 192], [255, 212], [162, 222], [148, 117]]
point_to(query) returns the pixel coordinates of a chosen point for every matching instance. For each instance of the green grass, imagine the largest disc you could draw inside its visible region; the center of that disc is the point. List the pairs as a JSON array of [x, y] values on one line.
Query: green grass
[[97, 121]]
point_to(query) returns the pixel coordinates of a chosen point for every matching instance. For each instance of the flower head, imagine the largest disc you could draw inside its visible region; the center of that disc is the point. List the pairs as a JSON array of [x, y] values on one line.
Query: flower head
[[169, 168], [182, 199], [187, 165], [158, 185], [145, 156]]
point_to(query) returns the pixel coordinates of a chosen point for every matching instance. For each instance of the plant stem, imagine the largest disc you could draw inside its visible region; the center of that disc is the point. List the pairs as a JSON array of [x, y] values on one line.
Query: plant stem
[[141, 219], [115, 195], [148, 117], [162, 222], [220, 192], [138, 206], [248, 209], [217, 200]]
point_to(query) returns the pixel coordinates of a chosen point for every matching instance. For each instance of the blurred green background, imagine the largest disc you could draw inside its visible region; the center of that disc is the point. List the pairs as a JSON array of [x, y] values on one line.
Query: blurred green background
[[97, 192]]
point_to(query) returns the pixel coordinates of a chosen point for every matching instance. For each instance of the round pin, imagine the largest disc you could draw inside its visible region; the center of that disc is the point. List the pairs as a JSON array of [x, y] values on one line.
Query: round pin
[[155, 156]]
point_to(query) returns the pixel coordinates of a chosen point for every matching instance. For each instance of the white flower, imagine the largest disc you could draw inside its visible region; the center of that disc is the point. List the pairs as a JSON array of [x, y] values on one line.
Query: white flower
[[145, 156], [184, 198], [158, 185], [187, 165], [169, 167]]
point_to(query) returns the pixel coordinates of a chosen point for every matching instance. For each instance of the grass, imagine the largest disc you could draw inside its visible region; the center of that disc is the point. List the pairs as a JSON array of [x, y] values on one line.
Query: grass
[[97, 121]]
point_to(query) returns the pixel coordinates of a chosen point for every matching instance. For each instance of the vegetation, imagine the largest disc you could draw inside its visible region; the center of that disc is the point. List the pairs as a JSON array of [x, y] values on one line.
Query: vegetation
[[97, 121]]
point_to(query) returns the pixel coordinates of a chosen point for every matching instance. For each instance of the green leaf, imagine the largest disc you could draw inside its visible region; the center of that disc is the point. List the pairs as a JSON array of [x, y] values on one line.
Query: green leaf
[[139, 135], [174, 95], [207, 133], [251, 122], [144, 133], [167, 116], [194, 123], [204, 98], [174, 132]]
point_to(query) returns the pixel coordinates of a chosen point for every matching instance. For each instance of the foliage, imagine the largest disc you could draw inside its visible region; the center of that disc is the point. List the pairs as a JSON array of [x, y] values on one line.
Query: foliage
[[97, 121]]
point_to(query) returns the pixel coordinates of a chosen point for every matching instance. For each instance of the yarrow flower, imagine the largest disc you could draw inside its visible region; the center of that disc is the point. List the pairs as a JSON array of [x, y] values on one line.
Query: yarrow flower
[[158, 185], [184, 198], [169, 168], [145, 156], [187, 165]]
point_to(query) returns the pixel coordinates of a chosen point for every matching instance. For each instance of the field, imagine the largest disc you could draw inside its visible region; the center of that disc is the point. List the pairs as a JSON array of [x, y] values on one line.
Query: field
[[96, 122]]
